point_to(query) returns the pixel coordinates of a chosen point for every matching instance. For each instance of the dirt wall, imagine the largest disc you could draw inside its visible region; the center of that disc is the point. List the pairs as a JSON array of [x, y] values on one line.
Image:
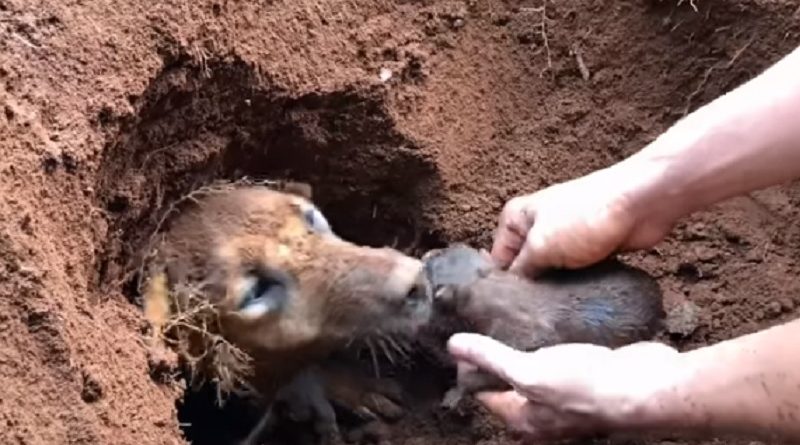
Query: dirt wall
[[414, 120]]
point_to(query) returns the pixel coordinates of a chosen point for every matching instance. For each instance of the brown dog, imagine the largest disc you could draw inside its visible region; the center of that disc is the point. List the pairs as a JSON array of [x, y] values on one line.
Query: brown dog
[[287, 291]]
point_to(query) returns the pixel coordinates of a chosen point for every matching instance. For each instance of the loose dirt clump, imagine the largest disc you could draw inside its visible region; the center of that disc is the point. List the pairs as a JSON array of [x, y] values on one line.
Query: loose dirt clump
[[414, 121]]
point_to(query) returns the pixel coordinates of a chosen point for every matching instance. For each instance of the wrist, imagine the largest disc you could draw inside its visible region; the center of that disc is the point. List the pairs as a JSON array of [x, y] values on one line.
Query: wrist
[[673, 403], [658, 400], [742, 141], [687, 168], [653, 192]]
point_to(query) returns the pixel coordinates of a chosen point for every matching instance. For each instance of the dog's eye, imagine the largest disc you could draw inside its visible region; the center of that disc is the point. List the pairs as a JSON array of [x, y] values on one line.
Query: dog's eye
[[261, 295], [316, 220]]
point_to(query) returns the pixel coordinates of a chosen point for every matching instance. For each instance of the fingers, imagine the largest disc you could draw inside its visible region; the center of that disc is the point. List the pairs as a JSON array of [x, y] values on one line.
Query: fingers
[[533, 256], [508, 406], [488, 354], [506, 244], [534, 421], [518, 245], [512, 228]]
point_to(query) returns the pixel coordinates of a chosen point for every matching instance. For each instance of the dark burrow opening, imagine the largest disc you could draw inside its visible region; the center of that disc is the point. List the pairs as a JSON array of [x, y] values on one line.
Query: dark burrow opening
[[222, 120], [424, 383]]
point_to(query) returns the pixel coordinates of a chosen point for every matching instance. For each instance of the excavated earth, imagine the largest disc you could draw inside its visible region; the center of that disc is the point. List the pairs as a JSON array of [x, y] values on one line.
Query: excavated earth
[[415, 120]]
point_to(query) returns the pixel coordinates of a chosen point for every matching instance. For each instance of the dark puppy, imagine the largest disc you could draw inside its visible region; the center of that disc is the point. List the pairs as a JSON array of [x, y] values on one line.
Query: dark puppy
[[609, 304]]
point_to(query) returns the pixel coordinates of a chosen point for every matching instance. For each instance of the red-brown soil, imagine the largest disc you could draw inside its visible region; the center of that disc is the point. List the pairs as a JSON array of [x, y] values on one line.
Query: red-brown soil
[[113, 108]]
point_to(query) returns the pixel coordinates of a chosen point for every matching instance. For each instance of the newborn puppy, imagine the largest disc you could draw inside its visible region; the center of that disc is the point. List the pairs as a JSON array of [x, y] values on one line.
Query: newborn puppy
[[609, 304]]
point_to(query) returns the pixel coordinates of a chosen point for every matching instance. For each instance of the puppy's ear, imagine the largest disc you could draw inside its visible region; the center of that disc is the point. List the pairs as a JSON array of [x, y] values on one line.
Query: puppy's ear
[[300, 189]]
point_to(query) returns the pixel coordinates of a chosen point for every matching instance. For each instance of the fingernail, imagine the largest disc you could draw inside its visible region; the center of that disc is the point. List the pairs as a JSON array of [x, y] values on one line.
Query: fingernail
[[459, 344], [456, 342]]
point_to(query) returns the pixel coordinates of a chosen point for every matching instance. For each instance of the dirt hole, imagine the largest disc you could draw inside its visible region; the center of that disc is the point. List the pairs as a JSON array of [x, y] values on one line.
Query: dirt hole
[[220, 120], [424, 383], [197, 123]]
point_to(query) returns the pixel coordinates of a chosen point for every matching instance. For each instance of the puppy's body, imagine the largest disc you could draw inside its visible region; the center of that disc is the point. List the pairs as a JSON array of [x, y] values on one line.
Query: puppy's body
[[608, 304]]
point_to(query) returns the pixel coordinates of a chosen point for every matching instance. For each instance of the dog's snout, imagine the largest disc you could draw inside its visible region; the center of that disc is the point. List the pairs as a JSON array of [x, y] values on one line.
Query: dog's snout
[[407, 280], [420, 291]]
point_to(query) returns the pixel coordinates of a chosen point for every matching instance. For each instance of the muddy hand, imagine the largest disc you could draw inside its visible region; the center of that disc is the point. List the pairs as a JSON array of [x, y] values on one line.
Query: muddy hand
[[578, 223], [569, 390]]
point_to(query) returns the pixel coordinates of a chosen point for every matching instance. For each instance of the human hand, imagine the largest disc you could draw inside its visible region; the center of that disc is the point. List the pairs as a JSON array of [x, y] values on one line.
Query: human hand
[[580, 222], [572, 390]]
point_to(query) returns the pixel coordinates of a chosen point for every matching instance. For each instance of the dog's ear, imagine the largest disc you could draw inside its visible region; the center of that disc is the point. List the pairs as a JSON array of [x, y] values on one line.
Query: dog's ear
[[300, 189]]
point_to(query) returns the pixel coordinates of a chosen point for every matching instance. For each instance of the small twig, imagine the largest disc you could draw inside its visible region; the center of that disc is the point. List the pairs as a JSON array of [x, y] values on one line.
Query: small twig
[[25, 41], [581, 65], [738, 53], [416, 241], [543, 32], [698, 90], [691, 3], [544, 36], [155, 152], [707, 75]]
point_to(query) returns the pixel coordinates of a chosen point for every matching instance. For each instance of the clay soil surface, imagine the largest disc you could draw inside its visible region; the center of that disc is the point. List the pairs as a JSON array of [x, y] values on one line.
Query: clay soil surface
[[414, 120]]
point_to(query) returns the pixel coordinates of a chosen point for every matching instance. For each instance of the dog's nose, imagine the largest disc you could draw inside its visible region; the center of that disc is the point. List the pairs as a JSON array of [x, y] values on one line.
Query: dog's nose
[[420, 291], [407, 280]]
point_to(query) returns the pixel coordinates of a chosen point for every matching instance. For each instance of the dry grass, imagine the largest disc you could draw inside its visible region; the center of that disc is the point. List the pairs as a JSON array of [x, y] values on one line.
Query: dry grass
[[194, 196], [691, 3], [707, 75], [542, 11], [184, 320]]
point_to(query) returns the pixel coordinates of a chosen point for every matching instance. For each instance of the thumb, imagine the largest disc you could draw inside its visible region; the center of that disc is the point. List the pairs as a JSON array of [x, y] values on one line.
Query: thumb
[[515, 221], [534, 255], [488, 354]]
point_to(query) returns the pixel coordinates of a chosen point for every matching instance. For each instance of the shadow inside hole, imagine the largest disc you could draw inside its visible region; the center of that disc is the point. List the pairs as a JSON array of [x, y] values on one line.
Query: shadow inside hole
[[192, 129], [205, 423], [424, 381]]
